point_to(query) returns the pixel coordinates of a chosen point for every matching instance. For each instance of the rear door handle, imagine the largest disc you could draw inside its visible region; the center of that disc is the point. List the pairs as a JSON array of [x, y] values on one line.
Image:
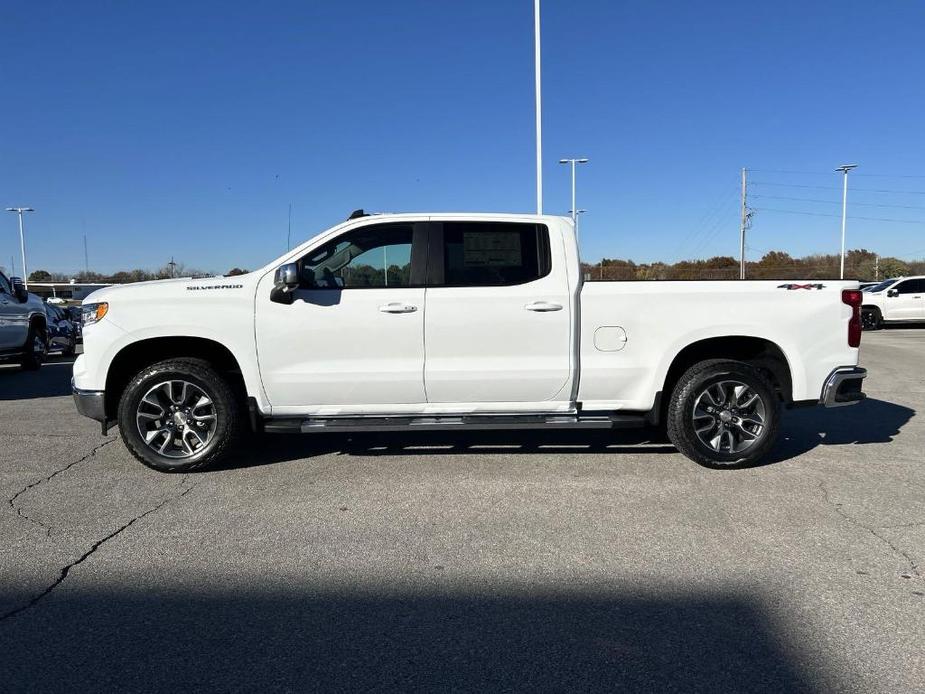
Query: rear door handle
[[543, 306], [396, 307]]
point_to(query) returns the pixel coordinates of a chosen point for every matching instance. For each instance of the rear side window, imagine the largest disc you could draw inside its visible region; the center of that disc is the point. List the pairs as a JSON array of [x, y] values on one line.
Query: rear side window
[[481, 254], [4, 285]]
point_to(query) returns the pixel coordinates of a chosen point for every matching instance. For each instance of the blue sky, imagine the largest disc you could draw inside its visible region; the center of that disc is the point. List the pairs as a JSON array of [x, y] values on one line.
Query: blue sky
[[186, 128]]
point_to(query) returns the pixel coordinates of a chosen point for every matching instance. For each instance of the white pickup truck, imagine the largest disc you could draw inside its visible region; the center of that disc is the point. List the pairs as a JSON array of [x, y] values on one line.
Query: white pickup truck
[[453, 321]]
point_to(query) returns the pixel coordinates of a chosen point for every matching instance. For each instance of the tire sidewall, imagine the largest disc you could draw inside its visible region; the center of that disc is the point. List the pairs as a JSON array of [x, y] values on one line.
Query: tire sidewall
[[749, 377], [144, 381], [32, 360]]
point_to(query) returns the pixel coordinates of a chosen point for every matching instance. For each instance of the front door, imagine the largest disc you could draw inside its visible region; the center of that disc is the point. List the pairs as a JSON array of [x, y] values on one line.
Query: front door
[[499, 315], [908, 304], [353, 338], [13, 323]]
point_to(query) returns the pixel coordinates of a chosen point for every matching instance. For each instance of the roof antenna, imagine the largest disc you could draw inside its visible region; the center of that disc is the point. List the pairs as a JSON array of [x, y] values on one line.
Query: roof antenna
[[356, 214]]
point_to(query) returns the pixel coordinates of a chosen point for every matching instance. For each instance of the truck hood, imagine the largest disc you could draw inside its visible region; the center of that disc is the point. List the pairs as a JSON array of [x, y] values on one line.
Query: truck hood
[[173, 289]]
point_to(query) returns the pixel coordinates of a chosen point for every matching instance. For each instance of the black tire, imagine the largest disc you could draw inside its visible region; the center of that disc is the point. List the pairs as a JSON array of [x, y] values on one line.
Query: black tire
[[71, 348], [692, 386], [36, 347], [871, 319], [227, 409]]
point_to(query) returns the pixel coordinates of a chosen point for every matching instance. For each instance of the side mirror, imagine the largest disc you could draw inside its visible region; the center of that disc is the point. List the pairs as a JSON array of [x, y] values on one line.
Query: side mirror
[[892, 292], [19, 289], [285, 281]]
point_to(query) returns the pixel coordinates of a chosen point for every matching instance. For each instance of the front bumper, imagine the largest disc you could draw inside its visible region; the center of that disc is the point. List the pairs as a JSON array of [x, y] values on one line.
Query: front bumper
[[91, 403], [843, 387]]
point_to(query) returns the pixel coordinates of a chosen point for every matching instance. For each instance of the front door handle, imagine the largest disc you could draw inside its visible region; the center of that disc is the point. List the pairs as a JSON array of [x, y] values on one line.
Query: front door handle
[[543, 306], [396, 307]]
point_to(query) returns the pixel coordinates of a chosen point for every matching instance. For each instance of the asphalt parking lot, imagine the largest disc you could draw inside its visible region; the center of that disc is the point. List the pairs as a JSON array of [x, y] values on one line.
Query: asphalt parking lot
[[516, 562]]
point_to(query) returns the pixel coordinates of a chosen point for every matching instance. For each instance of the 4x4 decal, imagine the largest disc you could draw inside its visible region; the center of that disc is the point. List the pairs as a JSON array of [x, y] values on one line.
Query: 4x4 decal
[[801, 286]]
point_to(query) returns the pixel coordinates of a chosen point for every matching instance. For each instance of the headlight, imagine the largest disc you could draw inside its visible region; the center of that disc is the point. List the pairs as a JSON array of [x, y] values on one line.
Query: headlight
[[91, 313]]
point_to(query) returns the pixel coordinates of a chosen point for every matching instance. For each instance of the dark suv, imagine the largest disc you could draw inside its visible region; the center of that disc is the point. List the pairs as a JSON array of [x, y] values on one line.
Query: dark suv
[[23, 325]]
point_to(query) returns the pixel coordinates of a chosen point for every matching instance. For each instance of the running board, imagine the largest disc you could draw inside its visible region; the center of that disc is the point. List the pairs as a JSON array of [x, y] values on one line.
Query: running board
[[308, 425]]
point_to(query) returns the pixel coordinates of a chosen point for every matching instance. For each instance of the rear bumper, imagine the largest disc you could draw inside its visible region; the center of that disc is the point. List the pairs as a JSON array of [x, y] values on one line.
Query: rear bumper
[[90, 403], [843, 387]]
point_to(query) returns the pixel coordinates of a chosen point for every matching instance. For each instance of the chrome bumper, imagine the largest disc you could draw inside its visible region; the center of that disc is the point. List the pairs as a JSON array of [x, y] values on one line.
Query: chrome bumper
[[843, 387], [90, 403]]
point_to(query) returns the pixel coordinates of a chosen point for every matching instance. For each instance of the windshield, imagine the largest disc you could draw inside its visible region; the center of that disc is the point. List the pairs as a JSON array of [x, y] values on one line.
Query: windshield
[[880, 287]]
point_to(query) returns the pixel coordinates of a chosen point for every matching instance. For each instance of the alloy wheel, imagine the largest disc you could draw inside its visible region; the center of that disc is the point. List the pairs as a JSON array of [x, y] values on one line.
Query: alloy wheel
[[176, 419], [729, 416]]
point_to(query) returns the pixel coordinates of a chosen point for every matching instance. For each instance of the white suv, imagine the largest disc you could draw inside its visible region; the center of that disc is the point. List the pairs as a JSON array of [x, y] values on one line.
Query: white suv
[[897, 300]]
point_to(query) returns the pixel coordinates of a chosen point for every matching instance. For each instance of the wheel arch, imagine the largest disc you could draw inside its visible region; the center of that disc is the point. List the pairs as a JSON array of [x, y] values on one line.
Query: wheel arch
[[135, 356], [760, 352]]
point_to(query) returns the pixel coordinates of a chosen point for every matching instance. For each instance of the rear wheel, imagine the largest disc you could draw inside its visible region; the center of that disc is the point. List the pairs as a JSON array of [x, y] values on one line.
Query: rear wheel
[[36, 348], [179, 415], [724, 414]]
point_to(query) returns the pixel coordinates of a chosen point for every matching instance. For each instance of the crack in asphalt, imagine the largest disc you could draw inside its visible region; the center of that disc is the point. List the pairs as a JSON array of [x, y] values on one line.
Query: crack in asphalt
[[872, 530], [65, 571], [19, 512]]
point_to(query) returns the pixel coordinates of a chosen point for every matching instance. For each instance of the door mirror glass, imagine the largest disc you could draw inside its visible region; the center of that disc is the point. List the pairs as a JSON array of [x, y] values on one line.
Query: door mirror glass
[[285, 281], [287, 276]]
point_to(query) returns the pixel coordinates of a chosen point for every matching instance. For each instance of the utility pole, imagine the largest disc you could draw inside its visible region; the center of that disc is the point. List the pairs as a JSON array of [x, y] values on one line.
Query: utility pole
[[844, 168], [86, 257], [22, 241], [744, 224], [539, 107], [877, 268], [173, 267], [573, 161]]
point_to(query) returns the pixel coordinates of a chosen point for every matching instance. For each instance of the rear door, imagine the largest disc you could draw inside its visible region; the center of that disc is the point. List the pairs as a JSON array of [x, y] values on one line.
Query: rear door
[[497, 328]]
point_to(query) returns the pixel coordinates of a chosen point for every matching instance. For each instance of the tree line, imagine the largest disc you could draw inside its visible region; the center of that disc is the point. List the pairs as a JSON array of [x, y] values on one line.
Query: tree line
[[859, 264]]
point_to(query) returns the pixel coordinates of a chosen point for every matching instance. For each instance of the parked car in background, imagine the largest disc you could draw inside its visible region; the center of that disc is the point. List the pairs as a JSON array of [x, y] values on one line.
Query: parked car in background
[[23, 331], [74, 314], [864, 286], [61, 332], [897, 300]]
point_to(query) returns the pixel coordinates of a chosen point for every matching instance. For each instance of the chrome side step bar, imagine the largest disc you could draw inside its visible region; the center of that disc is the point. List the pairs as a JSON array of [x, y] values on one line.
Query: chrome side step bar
[[308, 425]]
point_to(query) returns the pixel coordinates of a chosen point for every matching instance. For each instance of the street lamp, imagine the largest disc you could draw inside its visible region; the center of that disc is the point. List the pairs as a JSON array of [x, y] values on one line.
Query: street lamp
[[844, 168], [22, 241], [573, 162]]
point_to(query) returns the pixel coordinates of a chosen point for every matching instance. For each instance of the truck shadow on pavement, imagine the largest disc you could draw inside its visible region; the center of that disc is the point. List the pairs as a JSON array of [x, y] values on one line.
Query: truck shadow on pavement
[[52, 380], [871, 421], [385, 639]]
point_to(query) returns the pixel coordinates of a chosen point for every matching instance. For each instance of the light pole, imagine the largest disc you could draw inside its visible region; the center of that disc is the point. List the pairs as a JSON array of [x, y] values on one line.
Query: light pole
[[844, 168], [539, 107], [573, 162], [575, 214], [22, 241]]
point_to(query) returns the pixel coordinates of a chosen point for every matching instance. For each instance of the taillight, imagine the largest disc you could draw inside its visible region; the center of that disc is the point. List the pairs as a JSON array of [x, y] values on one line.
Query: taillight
[[852, 297]]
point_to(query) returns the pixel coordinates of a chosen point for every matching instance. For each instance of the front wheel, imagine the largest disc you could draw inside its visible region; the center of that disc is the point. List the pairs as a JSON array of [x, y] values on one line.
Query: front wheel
[[871, 319], [35, 349], [179, 415], [723, 413]]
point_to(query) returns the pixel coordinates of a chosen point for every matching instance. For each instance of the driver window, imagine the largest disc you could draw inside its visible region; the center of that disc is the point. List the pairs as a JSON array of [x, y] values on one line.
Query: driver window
[[373, 256], [4, 286]]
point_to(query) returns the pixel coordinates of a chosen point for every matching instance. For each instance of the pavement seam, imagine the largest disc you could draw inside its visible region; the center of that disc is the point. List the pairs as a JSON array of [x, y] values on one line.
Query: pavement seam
[[65, 571], [12, 500], [872, 530]]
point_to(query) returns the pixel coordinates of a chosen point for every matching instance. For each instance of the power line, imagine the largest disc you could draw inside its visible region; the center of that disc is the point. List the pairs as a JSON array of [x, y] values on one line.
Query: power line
[[865, 190], [838, 202], [823, 214], [829, 173]]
